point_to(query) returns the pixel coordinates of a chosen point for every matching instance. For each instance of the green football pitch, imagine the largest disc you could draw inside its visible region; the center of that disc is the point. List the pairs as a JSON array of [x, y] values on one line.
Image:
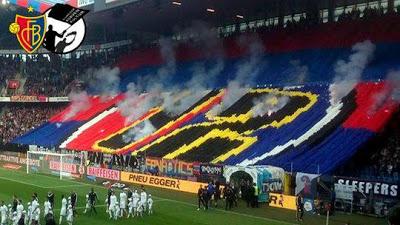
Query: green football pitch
[[170, 207]]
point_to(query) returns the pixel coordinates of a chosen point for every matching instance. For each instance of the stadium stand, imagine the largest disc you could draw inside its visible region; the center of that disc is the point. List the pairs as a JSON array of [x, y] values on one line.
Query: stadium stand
[[317, 51], [18, 118], [282, 45], [315, 126], [379, 159], [264, 119], [49, 75]]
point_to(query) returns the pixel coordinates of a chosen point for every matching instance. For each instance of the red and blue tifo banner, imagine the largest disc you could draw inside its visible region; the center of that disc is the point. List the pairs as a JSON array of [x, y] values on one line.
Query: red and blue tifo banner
[[31, 31], [41, 6]]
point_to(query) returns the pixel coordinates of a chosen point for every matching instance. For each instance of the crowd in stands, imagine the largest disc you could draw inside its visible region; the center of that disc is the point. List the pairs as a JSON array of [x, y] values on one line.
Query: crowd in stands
[[8, 69], [52, 75], [368, 13], [305, 21], [48, 75], [386, 161], [380, 158], [18, 119]]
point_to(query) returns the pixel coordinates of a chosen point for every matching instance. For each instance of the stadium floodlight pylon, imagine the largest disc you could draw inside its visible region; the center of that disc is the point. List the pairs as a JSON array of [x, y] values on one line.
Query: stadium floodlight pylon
[[63, 165]]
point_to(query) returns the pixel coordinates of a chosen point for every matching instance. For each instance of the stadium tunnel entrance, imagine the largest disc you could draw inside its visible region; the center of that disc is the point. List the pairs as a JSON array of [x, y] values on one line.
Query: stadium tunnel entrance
[[240, 176]]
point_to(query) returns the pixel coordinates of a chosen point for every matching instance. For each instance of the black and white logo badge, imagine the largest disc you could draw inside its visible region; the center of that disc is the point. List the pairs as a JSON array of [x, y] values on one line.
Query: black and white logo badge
[[66, 28]]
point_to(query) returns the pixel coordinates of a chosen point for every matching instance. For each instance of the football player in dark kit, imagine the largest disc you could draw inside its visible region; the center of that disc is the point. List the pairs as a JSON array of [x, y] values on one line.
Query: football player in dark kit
[[15, 203], [73, 202], [109, 193], [92, 201], [202, 196], [230, 197], [49, 219], [217, 193], [300, 207], [206, 198]]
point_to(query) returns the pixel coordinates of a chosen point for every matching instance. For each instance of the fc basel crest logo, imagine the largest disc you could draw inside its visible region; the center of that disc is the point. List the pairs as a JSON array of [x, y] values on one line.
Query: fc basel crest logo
[[30, 31], [61, 29]]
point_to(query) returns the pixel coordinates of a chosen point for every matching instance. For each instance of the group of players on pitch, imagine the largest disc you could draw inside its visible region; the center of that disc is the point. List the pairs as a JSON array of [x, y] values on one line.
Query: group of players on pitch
[[131, 204], [17, 214]]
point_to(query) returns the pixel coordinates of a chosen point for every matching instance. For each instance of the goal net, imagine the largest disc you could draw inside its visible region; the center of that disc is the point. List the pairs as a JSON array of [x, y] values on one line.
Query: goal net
[[62, 165]]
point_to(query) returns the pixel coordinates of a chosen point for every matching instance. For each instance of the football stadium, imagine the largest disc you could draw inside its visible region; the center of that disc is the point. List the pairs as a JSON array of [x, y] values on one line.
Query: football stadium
[[202, 112]]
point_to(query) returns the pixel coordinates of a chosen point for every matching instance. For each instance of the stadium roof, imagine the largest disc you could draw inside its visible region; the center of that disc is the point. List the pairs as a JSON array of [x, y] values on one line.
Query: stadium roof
[[160, 16], [154, 17]]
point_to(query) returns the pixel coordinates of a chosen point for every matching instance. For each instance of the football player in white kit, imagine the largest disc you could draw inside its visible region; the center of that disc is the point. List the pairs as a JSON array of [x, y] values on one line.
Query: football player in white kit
[[143, 199], [135, 201], [130, 208], [70, 215], [3, 213], [122, 203], [139, 209], [63, 212], [10, 212], [36, 216], [112, 205], [34, 204], [87, 206], [14, 218], [47, 206], [20, 209], [117, 211], [150, 205], [28, 214]]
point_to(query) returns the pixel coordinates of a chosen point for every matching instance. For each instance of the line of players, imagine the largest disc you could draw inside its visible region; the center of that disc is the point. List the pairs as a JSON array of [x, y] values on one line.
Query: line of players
[[130, 204], [16, 214]]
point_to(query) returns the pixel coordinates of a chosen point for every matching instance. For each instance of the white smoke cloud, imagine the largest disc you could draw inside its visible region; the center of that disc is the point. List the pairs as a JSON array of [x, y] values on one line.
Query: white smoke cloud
[[246, 73], [391, 91], [135, 104], [249, 69], [168, 69], [393, 79], [233, 92], [348, 74], [299, 72], [203, 75], [203, 79], [80, 101], [268, 104], [204, 37], [138, 132], [105, 81]]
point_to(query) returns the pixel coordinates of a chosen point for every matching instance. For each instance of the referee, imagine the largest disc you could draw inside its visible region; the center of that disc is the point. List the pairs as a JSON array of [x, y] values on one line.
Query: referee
[[92, 201]]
